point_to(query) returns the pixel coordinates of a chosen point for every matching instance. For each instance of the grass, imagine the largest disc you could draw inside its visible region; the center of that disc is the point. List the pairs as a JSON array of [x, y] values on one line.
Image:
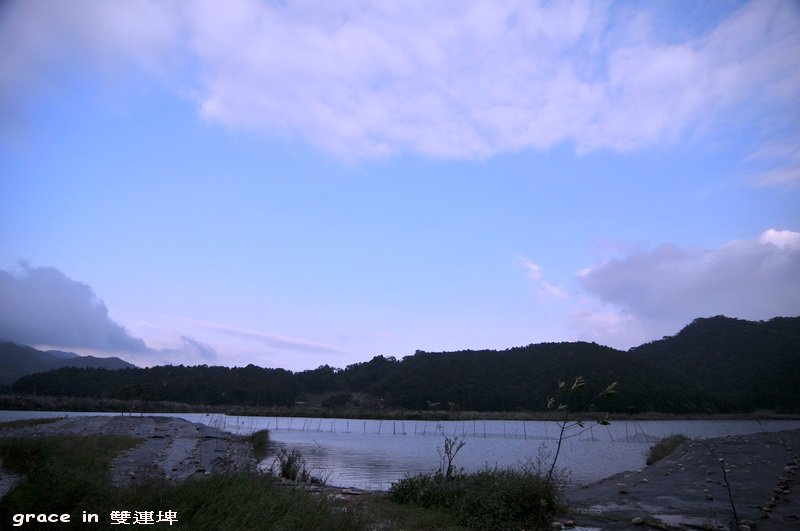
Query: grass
[[664, 447], [259, 440], [489, 499], [69, 475], [24, 423], [63, 474]]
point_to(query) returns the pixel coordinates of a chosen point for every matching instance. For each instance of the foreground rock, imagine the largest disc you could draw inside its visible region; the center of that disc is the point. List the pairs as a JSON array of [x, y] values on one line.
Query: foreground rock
[[173, 449], [688, 489]]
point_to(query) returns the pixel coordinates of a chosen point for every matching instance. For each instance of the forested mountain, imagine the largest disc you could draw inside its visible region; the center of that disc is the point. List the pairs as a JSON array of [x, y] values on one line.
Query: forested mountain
[[742, 364], [18, 360], [521, 379], [712, 365]]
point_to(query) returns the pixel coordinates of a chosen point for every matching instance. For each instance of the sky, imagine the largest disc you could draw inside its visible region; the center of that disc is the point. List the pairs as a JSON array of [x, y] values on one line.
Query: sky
[[293, 183]]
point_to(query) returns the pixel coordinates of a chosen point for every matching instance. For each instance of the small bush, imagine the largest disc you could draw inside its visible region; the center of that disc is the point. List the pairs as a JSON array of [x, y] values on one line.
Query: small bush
[[489, 499], [664, 447], [290, 464]]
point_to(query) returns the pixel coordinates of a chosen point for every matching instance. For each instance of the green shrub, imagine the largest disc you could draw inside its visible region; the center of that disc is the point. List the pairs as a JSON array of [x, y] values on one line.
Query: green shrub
[[489, 499], [290, 464], [664, 447]]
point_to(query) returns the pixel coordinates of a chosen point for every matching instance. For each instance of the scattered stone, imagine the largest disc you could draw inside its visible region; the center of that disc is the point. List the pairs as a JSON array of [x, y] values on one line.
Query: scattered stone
[[638, 520], [556, 525], [622, 488]]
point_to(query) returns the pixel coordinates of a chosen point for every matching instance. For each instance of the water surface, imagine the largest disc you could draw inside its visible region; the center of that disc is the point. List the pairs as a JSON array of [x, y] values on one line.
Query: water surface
[[372, 454]]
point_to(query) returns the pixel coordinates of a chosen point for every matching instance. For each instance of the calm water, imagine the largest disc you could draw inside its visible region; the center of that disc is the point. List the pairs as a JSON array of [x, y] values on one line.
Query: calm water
[[372, 454]]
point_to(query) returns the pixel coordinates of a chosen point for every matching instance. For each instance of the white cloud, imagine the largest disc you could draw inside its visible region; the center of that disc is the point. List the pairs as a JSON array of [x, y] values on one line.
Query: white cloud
[[781, 238], [656, 292], [444, 79], [544, 290], [270, 340], [534, 270]]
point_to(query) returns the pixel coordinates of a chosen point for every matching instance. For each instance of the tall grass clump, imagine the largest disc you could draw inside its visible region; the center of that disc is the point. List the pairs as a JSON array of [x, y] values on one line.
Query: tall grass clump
[[247, 500], [291, 465], [664, 447], [259, 440], [489, 499], [65, 473]]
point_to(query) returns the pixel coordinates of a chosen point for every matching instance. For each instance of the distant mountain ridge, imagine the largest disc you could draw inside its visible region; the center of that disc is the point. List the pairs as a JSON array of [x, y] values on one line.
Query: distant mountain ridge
[[713, 365], [19, 360]]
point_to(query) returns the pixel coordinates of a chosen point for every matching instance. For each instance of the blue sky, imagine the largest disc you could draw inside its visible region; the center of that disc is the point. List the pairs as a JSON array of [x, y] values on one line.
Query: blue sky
[[293, 184]]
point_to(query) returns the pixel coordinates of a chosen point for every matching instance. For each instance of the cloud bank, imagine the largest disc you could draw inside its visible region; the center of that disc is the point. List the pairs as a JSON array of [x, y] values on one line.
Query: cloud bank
[[42, 306], [647, 294], [442, 79]]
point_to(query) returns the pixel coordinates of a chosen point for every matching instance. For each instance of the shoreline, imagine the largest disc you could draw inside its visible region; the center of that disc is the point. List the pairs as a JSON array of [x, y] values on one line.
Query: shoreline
[[136, 407]]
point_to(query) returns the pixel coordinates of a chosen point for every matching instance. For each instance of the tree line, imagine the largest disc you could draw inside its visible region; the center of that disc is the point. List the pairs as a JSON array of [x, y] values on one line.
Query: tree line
[[712, 365]]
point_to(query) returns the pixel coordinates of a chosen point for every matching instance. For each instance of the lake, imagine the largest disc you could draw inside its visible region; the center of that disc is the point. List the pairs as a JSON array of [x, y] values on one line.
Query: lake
[[372, 454]]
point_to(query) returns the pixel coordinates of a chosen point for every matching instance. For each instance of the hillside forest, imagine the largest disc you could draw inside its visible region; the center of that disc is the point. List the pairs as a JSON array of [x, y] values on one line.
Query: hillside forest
[[713, 365]]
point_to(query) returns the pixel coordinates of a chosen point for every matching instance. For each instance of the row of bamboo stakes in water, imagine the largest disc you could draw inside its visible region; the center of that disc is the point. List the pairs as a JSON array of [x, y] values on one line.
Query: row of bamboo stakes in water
[[438, 429]]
